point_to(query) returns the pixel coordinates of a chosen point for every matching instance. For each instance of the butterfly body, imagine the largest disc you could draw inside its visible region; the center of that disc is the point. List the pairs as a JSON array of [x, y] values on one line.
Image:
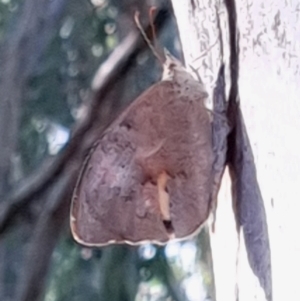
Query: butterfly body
[[149, 177]]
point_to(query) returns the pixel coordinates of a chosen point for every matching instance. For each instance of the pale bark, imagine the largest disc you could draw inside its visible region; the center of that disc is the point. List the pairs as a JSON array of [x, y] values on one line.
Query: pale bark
[[269, 89]]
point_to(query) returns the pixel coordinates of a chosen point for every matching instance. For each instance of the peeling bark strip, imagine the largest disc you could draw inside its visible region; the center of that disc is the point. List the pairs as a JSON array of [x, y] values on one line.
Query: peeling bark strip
[[250, 210], [220, 130], [247, 198]]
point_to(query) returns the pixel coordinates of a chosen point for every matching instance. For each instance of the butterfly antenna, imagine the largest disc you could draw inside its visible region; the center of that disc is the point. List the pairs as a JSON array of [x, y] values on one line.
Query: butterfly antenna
[[142, 31], [151, 18]]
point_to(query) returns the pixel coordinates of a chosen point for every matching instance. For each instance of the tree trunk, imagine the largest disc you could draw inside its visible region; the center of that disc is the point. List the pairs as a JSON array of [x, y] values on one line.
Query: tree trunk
[[268, 85]]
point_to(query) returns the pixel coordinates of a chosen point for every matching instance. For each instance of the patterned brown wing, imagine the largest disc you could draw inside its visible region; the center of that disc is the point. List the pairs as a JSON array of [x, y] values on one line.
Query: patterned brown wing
[[150, 176]]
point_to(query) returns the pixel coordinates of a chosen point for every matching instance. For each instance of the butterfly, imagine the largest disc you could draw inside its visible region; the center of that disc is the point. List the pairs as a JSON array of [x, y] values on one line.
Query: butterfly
[[150, 175]]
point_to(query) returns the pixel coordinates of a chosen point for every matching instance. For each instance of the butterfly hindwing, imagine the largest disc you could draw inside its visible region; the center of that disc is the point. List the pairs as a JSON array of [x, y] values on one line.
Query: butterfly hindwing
[[149, 177]]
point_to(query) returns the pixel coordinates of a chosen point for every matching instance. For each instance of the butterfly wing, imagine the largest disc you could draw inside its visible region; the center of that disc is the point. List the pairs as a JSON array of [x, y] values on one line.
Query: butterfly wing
[[149, 178]]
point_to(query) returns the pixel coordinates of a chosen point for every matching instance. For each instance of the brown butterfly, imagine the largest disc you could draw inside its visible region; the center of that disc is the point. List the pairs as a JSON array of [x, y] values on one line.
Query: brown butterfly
[[150, 176]]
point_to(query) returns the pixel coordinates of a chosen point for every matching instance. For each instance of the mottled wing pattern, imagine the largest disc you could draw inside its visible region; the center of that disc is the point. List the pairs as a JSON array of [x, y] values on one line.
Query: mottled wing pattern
[[149, 178]]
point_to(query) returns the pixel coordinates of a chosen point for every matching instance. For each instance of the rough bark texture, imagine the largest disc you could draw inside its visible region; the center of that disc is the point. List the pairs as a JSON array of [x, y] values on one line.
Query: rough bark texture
[[247, 200]]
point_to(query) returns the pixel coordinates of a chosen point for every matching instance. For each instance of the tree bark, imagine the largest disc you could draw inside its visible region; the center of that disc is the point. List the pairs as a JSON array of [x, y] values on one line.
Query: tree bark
[[268, 87]]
